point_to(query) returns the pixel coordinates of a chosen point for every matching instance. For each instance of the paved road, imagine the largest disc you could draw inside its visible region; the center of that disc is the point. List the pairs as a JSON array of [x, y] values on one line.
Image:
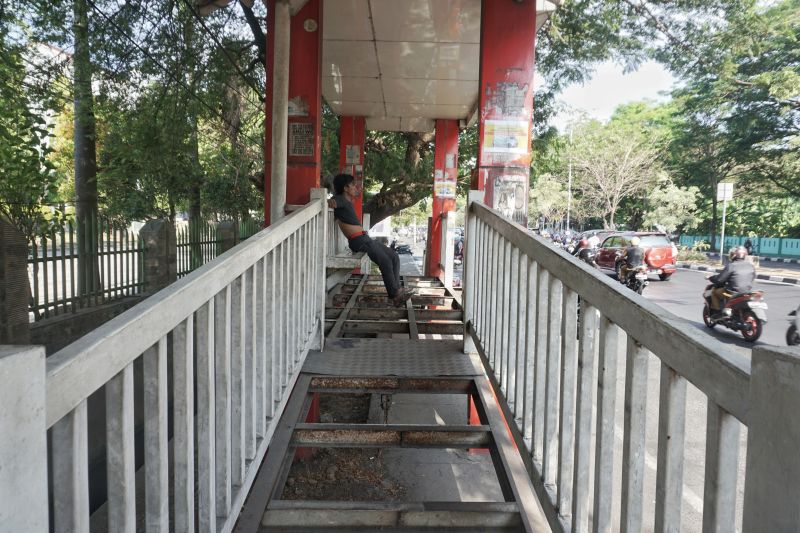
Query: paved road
[[682, 296]]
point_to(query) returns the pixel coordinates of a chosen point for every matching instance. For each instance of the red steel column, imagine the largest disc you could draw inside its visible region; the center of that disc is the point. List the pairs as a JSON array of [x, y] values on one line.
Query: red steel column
[[445, 175], [270, 62], [305, 104], [352, 136], [508, 34]]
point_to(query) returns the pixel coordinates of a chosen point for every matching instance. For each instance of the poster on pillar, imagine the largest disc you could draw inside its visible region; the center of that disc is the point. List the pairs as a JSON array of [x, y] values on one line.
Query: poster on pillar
[[510, 192], [444, 183], [301, 139]]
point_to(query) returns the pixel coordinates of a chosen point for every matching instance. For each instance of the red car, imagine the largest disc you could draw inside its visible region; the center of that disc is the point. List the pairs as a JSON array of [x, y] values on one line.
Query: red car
[[660, 254]]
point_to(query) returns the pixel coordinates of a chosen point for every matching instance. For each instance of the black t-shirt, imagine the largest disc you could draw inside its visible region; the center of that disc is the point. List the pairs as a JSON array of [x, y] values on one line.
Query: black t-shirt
[[634, 256], [345, 211]]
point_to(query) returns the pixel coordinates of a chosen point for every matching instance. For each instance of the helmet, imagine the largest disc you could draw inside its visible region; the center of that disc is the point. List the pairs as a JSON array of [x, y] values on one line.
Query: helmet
[[584, 243], [737, 253], [635, 241]]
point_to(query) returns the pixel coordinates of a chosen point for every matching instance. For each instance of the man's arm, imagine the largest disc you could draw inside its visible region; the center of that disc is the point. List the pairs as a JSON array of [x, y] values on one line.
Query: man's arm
[[723, 277]]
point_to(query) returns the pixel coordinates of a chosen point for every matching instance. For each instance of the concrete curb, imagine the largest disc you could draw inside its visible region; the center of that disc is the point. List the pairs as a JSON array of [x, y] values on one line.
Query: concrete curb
[[715, 255], [706, 268]]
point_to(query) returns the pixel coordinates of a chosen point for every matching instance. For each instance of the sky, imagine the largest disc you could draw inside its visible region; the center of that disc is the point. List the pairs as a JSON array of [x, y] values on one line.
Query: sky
[[609, 87]]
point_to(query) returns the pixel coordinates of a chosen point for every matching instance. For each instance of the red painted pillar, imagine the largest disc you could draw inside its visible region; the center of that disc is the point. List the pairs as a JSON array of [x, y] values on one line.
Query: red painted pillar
[[270, 62], [352, 135], [508, 34], [305, 104], [445, 175]]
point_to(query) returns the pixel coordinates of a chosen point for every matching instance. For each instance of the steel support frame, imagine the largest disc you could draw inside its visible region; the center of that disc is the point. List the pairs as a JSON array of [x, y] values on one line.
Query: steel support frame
[[519, 510]]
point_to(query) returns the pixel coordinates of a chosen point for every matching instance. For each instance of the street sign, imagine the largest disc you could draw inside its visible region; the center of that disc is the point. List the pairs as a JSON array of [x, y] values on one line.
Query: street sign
[[724, 192]]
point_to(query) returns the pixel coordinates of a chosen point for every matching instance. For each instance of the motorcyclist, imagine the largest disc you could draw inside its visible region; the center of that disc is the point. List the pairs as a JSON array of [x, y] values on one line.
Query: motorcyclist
[[632, 258], [737, 277], [582, 244]]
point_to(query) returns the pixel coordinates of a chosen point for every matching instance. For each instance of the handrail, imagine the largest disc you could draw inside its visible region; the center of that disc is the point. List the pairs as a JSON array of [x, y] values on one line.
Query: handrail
[[81, 368], [236, 331], [549, 329], [713, 367]]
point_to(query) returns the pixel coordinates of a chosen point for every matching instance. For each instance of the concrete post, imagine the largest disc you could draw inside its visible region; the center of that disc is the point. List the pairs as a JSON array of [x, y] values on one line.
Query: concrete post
[[227, 235], [321, 195], [280, 111], [772, 484], [14, 289], [23, 439], [160, 254], [446, 240], [268, 84], [468, 276]]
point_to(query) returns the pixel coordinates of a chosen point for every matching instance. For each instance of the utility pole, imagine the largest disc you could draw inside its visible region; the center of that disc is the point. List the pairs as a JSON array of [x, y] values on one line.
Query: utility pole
[[569, 176], [724, 193]]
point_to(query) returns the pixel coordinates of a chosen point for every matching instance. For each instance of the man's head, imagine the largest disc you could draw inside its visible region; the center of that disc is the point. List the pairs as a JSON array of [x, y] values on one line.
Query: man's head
[[635, 241], [340, 181]]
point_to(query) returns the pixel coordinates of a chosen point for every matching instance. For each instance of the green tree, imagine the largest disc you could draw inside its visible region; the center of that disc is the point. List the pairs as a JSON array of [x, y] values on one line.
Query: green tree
[[671, 207], [27, 179]]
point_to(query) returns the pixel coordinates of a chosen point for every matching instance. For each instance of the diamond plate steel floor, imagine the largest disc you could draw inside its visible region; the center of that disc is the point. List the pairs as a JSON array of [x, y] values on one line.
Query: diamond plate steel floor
[[390, 357]]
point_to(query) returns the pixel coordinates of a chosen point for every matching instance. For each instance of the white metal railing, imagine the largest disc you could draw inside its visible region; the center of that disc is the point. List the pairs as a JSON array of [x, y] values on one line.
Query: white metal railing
[[549, 330], [236, 332]]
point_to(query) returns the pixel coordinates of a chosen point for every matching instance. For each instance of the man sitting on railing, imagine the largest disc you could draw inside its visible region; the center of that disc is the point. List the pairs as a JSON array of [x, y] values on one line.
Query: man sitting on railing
[[387, 259]]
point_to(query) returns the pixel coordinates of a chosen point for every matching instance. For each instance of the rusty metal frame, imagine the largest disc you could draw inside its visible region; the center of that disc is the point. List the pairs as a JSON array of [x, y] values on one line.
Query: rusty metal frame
[[351, 302], [520, 510]]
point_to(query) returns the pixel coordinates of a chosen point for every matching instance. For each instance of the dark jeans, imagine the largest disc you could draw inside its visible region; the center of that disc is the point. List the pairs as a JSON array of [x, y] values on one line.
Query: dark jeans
[[387, 260]]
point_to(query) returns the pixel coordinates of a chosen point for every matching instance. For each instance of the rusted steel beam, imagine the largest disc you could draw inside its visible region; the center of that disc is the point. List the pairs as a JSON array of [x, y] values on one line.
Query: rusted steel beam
[[372, 326], [465, 521], [391, 385], [391, 436], [364, 313]]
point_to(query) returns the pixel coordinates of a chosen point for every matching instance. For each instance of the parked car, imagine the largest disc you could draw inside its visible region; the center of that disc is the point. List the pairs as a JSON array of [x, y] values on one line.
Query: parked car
[[659, 256]]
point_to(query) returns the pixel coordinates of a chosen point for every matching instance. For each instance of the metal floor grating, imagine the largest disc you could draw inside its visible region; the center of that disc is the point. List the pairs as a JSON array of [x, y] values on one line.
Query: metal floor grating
[[390, 357], [360, 308]]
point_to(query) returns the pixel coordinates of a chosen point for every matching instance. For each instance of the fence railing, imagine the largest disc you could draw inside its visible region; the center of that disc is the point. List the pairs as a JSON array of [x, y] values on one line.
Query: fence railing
[[65, 276], [552, 333], [235, 333], [197, 243], [771, 246]]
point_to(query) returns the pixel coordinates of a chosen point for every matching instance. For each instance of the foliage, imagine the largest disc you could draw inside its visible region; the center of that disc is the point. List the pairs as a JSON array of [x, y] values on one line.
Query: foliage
[[548, 200], [671, 207], [612, 162], [27, 179]]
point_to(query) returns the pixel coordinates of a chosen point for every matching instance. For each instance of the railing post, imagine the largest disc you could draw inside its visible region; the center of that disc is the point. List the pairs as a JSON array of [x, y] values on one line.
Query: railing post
[[446, 254], [14, 289], [321, 195], [23, 439], [470, 258], [772, 484]]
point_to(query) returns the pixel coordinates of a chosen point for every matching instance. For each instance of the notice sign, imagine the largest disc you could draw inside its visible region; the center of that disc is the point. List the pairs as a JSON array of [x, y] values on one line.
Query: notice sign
[[724, 192], [506, 136], [301, 139], [444, 189], [352, 154]]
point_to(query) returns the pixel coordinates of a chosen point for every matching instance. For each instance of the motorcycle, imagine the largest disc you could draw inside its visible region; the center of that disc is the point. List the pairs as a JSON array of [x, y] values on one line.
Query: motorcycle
[[744, 312], [636, 280], [403, 249], [793, 333], [587, 255]]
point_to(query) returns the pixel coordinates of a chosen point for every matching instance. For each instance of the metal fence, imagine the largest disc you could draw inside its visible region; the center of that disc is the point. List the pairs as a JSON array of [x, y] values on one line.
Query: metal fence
[[198, 242], [65, 277], [577, 359], [768, 246]]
